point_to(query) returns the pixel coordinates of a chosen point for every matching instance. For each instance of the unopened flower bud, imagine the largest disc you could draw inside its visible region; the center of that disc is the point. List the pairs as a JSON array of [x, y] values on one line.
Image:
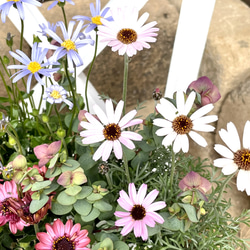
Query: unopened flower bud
[[103, 168], [57, 76], [187, 199], [6, 60], [157, 95], [12, 141], [19, 162], [61, 133], [202, 211], [45, 118], [9, 40], [35, 112]]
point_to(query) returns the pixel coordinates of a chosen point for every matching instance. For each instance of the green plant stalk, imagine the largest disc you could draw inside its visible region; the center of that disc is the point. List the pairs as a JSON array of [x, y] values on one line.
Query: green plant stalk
[[21, 38], [172, 172], [109, 181], [65, 18], [36, 228], [125, 82], [58, 115], [125, 160], [6, 87], [40, 102], [90, 68]]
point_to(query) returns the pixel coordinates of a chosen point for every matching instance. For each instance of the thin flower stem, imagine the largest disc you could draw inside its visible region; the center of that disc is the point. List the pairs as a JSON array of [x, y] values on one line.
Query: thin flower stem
[[125, 160], [58, 115], [21, 38], [90, 68], [172, 172], [40, 102], [109, 181], [36, 228], [65, 18], [6, 87], [125, 82], [222, 189]]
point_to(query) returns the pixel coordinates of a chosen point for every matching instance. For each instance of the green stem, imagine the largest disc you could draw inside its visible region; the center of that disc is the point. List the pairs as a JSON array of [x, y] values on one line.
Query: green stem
[[125, 160], [65, 18], [125, 82], [90, 68], [109, 181], [222, 189], [58, 115], [36, 228], [65, 147], [172, 172], [21, 38]]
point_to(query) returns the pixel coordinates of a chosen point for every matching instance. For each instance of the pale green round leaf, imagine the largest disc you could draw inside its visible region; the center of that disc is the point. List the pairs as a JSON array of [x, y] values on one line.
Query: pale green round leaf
[[82, 207], [86, 191], [40, 185], [59, 209], [65, 199], [102, 206], [35, 205], [73, 190], [91, 216]]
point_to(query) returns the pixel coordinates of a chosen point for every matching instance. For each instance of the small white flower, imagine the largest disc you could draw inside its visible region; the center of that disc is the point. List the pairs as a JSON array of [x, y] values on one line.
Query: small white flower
[[235, 156], [176, 124]]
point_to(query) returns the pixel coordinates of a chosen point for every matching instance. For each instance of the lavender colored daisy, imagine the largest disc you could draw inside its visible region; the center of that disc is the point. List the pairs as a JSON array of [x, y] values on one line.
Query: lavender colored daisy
[[110, 129], [34, 66], [140, 211], [96, 13], [5, 7], [44, 26], [59, 1], [127, 34], [56, 94], [69, 45]]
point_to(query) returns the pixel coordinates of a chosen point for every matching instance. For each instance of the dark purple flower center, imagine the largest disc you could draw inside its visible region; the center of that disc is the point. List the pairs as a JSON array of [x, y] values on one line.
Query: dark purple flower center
[[112, 132], [127, 36], [63, 243], [138, 212], [182, 124], [5, 211], [242, 159]]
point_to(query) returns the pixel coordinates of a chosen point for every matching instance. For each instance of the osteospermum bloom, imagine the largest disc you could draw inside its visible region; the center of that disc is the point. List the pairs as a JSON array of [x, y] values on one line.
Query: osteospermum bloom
[[235, 156], [60, 236], [56, 94], [140, 211], [5, 7], [110, 128], [58, 2], [126, 33], [69, 45], [9, 190], [176, 124], [95, 20], [31, 67]]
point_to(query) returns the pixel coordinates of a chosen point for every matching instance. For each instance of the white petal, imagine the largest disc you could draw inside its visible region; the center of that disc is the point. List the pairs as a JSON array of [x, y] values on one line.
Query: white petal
[[110, 111], [162, 123], [248, 181], [222, 162], [166, 109], [229, 140], [229, 169], [189, 103], [169, 139], [246, 136], [201, 111], [205, 119], [232, 131], [118, 111], [180, 102], [101, 115], [107, 150], [184, 143], [128, 117], [117, 149], [204, 128], [224, 151], [95, 123], [242, 180], [163, 131], [198, 138], [93, 139]]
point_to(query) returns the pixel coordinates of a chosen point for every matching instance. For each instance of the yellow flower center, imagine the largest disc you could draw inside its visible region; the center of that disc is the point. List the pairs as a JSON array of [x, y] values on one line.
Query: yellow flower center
[[182, 125], [242, 159], [127, 36], [55, 94], [68, 45], [13, 0], [96, 20], [33, 67]]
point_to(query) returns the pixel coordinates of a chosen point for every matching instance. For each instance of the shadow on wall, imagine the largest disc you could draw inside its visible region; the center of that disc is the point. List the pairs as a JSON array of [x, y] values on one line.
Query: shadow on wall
[[246, 2]]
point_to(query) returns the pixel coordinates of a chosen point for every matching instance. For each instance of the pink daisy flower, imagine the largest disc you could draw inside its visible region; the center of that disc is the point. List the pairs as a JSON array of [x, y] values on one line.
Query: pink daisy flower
[[110, 128], [60, 236], [141, 211], [9, 190], [127, 33]]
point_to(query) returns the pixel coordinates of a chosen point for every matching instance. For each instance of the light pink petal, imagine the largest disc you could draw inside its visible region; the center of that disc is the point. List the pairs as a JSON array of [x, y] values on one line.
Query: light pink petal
[[127, 142], [110, 111], [93, 121], [133, 123], [101, 114], [41, 151], [44, 238], [156, 217], [131, 135], [132, 193], [54, 147], [144, 231], [148, 220], [13, 227], [156, 206], [58, 228], [138, 228], [128, 117], [141, 194], [127, 228], [50, 230], [124, 221], [122, 214], [93, 139], [150, 198], [118, 111], [117, 149], [76, 228]]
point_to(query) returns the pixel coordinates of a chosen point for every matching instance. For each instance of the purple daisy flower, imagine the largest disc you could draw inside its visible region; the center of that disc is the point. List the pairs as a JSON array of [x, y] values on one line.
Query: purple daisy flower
[[34, 66], [44, 26], [5, 7], [140, 211], [110, 128], [96, 13], [59, 1], [69, 45]]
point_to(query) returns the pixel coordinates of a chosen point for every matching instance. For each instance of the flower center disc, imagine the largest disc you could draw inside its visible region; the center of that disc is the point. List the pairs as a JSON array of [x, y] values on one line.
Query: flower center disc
[[33, 67], [112, 132], [68, 45], [55, 94], [138, 212], [63, 243], [127, 36], [96, 20], [182, 125], [242, 159]]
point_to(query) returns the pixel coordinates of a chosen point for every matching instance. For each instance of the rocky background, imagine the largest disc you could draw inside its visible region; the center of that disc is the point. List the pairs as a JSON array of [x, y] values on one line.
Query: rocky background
[[226, 62]]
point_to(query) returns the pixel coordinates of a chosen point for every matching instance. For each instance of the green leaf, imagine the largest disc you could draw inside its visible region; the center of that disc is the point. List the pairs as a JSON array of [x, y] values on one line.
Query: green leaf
[[4, 99], [59, 209], [65, 199], [190, 210], [51, 188], [129, 153], [120, 245], [53, 161], [86, 160], [53, 172], [86, 191], [27, 239], [35, 205], [171, 222], [70, 165], [91, 216], [40, 185], [94, 197], [73, 190], [107, 244], [154, 230], [82, 207], [139, 158], [102, 206]]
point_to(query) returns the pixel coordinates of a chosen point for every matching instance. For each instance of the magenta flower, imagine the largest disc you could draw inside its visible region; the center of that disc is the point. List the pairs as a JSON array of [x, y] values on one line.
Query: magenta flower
[[208, 91], [9, 190], [110, 129], [46, 152], [60, 236], [193, 181], [140, 211]]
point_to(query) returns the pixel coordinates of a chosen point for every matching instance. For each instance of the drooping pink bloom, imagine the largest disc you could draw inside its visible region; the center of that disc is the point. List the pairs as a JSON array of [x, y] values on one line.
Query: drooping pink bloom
[[46, 152], [208, 91], [110, 128], [60, 236], [9, 190], [140, 211]]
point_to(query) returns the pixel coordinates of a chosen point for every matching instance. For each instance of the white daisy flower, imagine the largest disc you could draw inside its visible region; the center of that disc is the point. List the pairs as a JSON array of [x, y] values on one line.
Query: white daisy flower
[[110, 128], [235, 156], [177, 124]]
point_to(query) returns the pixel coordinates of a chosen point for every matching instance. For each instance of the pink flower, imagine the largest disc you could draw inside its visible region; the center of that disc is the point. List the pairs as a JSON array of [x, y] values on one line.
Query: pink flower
[[9, 190], [60, 236], [46, 152], [141, 211], [208, 91]]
